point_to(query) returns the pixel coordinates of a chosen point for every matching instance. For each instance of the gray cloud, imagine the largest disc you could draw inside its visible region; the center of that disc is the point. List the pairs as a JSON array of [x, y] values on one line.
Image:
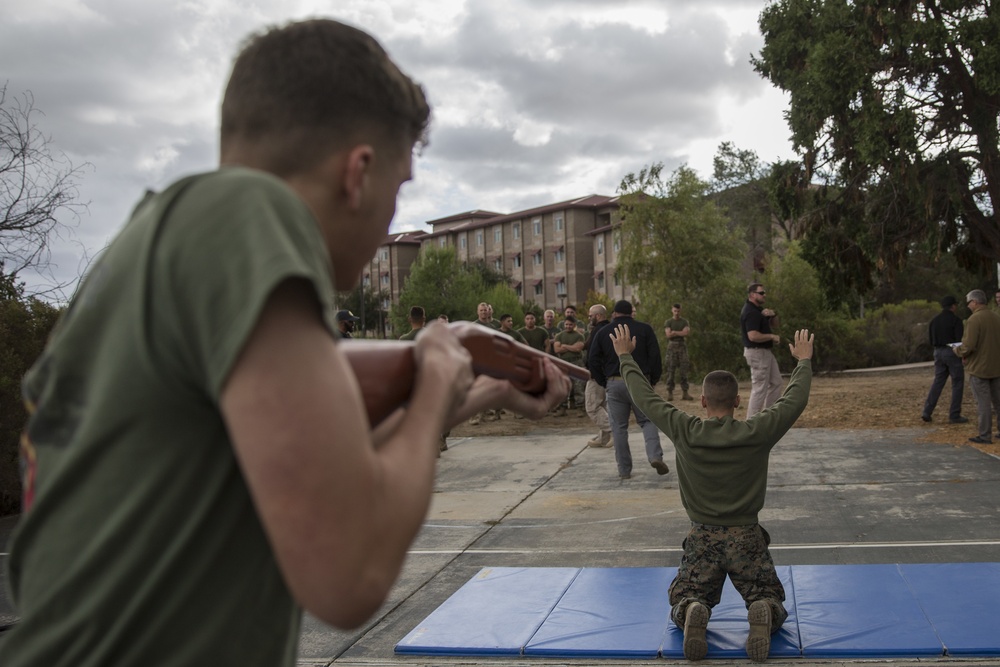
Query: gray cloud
[[533, 104]]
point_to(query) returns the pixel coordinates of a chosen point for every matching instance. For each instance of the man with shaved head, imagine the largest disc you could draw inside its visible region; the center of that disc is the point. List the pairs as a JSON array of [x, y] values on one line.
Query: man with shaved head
[[721, 468]]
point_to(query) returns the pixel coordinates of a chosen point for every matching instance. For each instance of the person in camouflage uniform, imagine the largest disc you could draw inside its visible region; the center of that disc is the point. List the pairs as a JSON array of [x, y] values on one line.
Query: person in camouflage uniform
[[677, 329], [568, 346], [721, 468], [417, 318], [533, 335], [507, 327]]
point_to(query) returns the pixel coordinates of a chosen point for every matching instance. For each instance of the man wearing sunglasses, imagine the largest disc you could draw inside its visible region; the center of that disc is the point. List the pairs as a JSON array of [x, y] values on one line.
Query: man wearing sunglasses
[[756, 323]]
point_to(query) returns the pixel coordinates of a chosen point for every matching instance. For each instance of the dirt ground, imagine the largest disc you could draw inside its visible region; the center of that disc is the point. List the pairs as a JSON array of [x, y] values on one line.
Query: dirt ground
[[853, 400]]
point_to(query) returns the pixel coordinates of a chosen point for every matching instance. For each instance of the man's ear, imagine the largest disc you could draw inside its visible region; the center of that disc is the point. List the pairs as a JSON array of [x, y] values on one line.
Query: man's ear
[[704, 402], [736, 403], [356, 172]]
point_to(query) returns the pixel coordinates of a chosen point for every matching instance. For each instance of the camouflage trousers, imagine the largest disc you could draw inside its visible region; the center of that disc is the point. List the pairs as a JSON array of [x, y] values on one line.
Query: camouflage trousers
[[711, 553], [677, 360]]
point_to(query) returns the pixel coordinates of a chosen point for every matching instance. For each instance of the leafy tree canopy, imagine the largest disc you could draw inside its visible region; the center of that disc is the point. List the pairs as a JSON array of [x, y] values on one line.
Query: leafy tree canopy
[[895, 109], [679, 246], [440, 283]]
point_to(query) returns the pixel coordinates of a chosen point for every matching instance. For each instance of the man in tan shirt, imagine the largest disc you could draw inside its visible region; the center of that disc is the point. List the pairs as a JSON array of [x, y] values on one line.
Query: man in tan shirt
[[980, 352]]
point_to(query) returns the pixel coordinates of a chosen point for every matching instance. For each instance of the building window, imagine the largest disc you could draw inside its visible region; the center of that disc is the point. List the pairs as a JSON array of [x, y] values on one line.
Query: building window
[[559, 222], [617, 245], [537, 258], [600, 245], [462, 242], [519, 291], [515, 230], [498, 264], [538, 289], [368, 280], [384, 255], [560, 255], [385, 280], [536, 224], [479, 238], [517, 261], [443, 241], [600, 281], [497, 234], [561, 287], [618, 281]]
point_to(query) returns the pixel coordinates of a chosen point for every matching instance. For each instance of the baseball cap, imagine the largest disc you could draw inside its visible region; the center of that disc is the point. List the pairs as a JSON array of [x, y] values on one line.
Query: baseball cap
[[346, 316]]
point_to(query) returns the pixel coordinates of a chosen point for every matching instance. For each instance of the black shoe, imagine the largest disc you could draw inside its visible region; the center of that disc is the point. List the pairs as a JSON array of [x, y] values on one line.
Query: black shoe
[[624, 475], [959, 420], [980, 441], [661, 467], [926, 418]]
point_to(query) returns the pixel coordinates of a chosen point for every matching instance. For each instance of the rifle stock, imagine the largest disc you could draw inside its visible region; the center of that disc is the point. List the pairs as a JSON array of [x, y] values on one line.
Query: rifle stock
[[386, 370]]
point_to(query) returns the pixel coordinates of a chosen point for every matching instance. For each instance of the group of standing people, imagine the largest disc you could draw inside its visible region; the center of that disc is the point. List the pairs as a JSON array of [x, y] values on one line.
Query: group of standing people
[[972, 346]]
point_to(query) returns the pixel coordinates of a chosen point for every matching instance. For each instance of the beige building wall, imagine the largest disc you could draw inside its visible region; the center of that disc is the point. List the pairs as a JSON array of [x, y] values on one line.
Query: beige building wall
[[550, 252]]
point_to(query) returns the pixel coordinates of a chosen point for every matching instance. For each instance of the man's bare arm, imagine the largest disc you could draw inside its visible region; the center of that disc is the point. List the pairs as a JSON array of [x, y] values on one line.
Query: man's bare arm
[[339, 513], [758, 337]]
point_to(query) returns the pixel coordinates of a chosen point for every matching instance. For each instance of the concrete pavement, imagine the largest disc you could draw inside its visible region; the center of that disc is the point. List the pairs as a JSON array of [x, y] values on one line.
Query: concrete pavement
[[546, 500]]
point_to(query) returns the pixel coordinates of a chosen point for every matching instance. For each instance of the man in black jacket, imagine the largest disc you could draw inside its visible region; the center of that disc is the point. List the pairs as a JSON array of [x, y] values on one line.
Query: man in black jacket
[[946, 328], [603, 364]]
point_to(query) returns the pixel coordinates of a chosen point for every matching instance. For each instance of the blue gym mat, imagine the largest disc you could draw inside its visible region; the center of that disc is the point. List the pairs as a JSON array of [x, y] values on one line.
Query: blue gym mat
[[834, 611]]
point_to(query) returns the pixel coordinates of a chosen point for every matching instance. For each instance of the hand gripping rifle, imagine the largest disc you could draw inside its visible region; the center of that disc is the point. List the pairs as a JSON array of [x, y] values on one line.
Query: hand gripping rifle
[[386, 370]]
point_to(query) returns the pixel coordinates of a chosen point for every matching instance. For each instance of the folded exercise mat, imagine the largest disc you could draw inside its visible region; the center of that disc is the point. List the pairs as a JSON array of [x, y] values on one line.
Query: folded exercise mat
[[962, 601], [608, 613], [495, 613], [728, 626], [835, 611], [860, 611]]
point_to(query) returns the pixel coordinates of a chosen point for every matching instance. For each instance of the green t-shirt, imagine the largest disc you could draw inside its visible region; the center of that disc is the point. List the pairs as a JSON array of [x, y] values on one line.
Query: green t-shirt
[[515, 334], [676, 325], [721, 463], [534, 337], [139, 543], [570, 338], [411, 334]]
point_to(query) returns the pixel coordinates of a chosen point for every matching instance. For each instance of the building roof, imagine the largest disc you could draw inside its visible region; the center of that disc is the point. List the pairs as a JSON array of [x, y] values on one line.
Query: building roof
[[480, 221], [405, 238]]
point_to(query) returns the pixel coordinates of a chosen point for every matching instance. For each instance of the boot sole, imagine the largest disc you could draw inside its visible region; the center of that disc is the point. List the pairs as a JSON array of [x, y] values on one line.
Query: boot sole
[[695, 627], [660, 466], [759, 639]]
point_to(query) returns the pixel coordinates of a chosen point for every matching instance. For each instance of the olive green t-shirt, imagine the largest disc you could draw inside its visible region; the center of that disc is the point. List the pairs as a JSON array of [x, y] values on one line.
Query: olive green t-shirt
[[570, 338], [534, 337], [139, 543], [678, 324]]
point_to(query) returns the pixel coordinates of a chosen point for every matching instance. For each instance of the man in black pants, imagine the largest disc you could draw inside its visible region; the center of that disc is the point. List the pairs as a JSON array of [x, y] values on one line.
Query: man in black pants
[[944, 330]]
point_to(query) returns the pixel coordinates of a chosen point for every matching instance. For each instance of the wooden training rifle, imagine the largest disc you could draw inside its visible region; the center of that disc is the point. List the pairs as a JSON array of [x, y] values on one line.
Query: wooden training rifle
[[386, 370]]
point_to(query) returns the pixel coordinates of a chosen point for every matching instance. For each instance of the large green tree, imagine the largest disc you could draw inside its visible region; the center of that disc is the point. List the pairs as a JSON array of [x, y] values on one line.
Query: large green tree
[[25, 324], [679, 246], [442, 284], [894, 109]]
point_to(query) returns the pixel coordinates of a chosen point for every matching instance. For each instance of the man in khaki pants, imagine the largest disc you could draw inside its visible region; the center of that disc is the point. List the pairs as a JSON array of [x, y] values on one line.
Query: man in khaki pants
[[980, 352], [595, 396]]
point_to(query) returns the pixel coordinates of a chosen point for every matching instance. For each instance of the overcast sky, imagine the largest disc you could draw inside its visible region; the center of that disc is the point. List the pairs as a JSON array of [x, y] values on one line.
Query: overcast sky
[[534, 101]]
